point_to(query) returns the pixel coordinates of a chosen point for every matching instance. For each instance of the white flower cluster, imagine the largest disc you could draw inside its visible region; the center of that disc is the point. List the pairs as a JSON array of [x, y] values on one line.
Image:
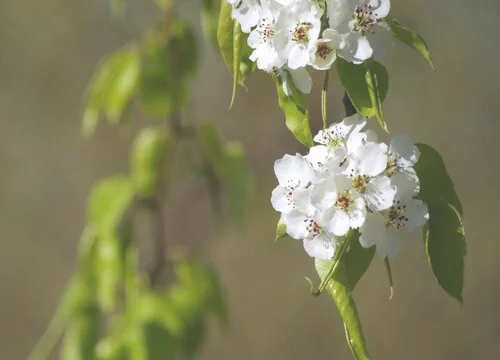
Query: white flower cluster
[[287, 33], [350, 181]]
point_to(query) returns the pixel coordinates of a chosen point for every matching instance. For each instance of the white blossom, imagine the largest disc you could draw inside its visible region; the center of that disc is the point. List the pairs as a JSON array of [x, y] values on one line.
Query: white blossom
[[246, 12], [324, 54]]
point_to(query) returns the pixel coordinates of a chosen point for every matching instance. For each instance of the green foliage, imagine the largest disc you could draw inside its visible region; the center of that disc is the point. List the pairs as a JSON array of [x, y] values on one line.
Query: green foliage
[[444, 235], [82, 335], [280, 230], [233, 47], [295, 109], [152, 154], [169, 59], [111, 88], [367, 86], [340, 290], [409, 38], [357, 260], [226, 163]]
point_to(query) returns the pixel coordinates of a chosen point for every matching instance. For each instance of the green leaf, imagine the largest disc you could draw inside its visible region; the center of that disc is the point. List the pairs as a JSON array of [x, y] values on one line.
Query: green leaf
[[152, 156], [237, 179], [367, 86], [225, 35], [164, 4], [409, 38], [111, 88], [357, 260], [82, 335], [295, 109], [280, 230], [444, 235], [445, 246], [435, 183], [339, 288], [169, 61]]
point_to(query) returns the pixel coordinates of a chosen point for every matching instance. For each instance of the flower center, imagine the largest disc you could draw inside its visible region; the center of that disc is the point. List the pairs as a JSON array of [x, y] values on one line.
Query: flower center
[[301, 33], [266, 29], [359, 183], [344, 201], [365, 20], [396, 215], [313, 227], [323, 51], [393, 165]]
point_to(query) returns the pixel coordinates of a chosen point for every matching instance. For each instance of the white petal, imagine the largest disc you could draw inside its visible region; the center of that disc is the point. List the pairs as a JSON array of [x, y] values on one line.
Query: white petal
[[293, 168], [417, 214], [301, 80], [406, 183], [381, 8], [373, 231], [379, 193], [298, 57], [320, 247], [357, 214], [296, 226], [372, 159], [357, 48], [403, 146], [280, 200], [339, 222]]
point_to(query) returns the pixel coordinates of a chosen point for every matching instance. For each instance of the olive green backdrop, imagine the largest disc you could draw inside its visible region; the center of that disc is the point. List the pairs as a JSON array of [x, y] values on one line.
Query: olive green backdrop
[[48, 50]]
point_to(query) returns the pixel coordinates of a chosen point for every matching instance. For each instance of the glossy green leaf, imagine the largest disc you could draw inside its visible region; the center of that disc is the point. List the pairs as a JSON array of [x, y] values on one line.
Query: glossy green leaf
[[435, 183], [339, 288], [169, 61], [295, 109], [152, 155], [237, 180], [444, 235], [82, 335], [409, 38], [111, 88], [446, 248], [367, 86], [237, 50], [357, 260]]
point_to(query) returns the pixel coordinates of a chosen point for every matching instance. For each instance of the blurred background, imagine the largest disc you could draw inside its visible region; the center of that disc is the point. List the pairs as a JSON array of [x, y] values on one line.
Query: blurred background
[[48, 51]]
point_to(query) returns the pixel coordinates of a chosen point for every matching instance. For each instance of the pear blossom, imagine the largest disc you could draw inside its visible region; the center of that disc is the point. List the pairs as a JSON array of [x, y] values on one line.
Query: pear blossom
[[299, 27], [325, 53], [317, 241], [386, 229], [295, 175], [360, 23], [264, 41], [246, 12]]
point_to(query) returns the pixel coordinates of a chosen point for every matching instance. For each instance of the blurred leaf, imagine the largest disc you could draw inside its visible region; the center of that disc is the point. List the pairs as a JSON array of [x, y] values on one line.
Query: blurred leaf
[[225, 36], [339, 289], [159, 343], [409, 38], [82, 335], [444, 236], [212, 146], [295, 109], [238, 180], [210, 19], [117, 8], [357, 260], [152, 156], [108, 202], [169, 60], [164, 4], [367, 86], [435, 183], [111, 88]]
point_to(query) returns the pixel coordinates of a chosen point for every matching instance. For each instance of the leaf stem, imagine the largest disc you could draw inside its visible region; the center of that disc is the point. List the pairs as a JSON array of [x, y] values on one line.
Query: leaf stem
[[389, 274], [324, 93], [336, 261]]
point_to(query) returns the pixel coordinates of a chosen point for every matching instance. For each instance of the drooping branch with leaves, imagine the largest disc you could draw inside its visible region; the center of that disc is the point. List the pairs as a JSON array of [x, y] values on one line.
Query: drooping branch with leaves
[[350, 197]]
